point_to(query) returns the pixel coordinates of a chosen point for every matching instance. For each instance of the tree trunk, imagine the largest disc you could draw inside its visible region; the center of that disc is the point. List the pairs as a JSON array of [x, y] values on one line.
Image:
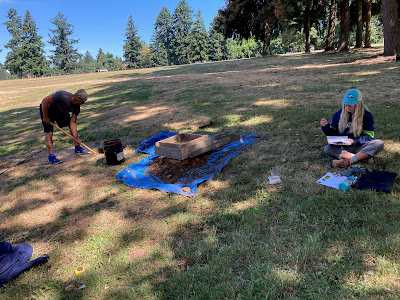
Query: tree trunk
[[391, 27], [396, 23], [307, 23], [266, 46], [388, 48], [344, 26], [368, 6], [330, 39], [169, 56], [267, 40], [359, 24]]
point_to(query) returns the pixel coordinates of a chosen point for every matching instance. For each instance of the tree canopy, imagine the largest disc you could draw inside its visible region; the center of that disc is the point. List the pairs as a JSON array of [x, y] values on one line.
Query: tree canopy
[[267, 20], [243, 28], [181, 30], [132, 44], [161, 44], [26, 57], [199, 36], [65, 55]]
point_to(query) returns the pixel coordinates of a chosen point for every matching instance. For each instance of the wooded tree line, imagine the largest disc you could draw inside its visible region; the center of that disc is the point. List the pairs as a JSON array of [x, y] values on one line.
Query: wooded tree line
[[243, 28], [266, 20], [182, 38]]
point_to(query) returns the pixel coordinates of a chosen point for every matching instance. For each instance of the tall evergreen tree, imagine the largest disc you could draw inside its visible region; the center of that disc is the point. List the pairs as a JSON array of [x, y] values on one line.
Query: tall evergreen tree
[[101, 59], [87, 58], [132, 45], [65, 55], [199, 39], [27, 54], [182, 20], [35, 62], [159, 56], [100, 53], [14, 58], [161, 39]]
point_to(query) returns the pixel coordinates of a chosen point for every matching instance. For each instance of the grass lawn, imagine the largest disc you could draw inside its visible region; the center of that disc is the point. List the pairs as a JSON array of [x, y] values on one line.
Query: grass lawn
[[239, 237]]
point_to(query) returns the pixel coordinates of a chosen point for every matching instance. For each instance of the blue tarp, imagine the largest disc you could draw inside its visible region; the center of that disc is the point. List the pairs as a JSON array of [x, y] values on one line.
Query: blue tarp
[[138, 175], [147, 146]]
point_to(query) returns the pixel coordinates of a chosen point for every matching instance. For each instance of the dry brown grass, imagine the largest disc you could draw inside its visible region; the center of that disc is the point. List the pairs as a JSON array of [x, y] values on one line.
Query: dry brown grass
[[81, 214]]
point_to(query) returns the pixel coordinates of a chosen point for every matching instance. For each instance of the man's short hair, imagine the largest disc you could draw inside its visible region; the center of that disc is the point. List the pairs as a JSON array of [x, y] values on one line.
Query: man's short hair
[[81, 95]]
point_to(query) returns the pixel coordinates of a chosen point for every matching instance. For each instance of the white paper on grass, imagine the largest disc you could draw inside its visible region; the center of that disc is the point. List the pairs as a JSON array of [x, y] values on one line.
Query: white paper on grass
[[274, 179], [338, 140], [331, 180]]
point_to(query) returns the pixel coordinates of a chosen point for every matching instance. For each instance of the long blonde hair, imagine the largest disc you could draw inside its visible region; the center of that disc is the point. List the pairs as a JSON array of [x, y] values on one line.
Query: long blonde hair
[[357, 120]]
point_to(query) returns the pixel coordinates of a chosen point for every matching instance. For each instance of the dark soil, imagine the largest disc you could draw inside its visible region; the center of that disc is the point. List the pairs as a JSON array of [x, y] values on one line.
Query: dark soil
[[171, 170]]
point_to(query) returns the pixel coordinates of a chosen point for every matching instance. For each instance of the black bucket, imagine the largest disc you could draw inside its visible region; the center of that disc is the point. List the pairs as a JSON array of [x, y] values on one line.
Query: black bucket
[[114, 151]]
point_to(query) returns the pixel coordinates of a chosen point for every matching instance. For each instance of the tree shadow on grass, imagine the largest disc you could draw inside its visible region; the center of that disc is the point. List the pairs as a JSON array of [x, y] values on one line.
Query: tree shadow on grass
[[309, 246], [296, 239]]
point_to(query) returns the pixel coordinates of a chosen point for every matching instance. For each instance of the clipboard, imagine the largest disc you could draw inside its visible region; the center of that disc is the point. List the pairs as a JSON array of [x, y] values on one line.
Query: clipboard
[[338, 140], [331, 180]]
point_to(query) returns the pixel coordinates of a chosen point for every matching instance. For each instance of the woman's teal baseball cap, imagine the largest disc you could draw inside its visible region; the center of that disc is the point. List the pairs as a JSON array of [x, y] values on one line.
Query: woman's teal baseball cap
[[351, 98]]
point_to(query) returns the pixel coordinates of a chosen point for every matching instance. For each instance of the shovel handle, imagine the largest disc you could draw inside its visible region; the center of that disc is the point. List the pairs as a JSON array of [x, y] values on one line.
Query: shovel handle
[[63, 131]]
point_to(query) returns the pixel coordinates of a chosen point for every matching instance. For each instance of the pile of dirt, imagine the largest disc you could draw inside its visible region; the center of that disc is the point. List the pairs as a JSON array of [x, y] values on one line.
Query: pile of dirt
[[171, 170]]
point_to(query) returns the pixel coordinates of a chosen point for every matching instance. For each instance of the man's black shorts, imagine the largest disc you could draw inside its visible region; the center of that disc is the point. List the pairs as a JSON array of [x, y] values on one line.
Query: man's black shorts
[[62, 119]]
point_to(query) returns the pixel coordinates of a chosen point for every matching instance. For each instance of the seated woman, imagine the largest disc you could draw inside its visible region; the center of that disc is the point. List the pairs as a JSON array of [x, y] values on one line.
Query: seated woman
[[355, 121]]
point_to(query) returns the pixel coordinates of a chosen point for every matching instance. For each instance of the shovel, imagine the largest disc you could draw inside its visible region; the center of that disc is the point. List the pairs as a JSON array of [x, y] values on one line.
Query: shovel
[[20, 162], [82, 144]]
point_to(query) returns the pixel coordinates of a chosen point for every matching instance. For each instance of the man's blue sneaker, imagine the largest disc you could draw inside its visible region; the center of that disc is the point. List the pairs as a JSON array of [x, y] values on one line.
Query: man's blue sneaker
[[80, 150], [53, 159]]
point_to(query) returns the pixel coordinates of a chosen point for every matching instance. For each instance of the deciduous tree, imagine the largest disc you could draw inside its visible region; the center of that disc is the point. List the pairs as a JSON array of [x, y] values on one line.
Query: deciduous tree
[[145, 54], [260, 19], [303, 15], [87, 64]]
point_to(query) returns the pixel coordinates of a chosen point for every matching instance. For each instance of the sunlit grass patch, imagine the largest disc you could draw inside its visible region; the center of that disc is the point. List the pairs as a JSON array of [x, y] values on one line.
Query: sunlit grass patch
[[276, 103], [239, 237]]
